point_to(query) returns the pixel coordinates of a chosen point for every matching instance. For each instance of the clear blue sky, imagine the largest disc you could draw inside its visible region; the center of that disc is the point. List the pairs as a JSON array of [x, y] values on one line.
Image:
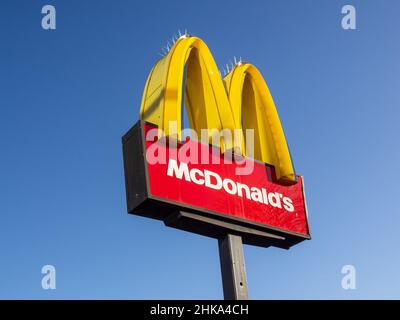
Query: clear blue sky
[[68, 95]]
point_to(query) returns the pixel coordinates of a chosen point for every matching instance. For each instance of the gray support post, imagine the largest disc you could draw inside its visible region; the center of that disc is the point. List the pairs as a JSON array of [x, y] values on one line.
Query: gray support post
[[233, 271]]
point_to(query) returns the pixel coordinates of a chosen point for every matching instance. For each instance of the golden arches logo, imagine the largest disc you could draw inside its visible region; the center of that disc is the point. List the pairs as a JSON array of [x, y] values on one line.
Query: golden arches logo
[[241, 100]]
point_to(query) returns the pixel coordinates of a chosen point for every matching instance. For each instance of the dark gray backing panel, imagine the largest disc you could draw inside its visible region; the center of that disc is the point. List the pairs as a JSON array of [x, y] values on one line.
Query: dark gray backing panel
[[185, 217]]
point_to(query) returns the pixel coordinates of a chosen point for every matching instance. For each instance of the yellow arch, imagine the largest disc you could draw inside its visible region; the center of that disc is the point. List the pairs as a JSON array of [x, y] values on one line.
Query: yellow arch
[[205, 96], [254, 108], [213, 103]]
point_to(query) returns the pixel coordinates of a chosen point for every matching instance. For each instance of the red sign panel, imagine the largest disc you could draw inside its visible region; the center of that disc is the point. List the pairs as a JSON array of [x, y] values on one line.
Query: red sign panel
[[210, 184]]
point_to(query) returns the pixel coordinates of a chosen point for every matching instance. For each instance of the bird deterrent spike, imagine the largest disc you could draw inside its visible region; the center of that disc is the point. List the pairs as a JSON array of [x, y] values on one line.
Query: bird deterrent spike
[[183, 35]]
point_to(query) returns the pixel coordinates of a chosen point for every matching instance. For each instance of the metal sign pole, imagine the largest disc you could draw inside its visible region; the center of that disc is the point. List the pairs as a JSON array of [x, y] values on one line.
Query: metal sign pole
[[233, 271]]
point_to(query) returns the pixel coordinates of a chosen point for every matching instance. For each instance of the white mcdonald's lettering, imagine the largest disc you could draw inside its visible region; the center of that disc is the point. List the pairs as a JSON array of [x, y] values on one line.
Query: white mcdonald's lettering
[[213, 180]]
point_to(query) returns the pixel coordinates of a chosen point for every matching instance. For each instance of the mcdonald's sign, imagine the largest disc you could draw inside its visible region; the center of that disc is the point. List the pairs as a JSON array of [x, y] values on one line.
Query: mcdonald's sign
[[231, 171]]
